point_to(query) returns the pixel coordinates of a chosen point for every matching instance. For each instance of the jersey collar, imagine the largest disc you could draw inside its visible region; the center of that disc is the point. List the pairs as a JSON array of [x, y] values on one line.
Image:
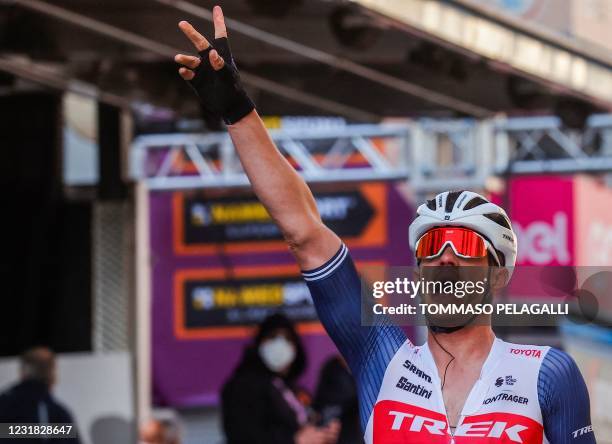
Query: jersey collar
[[478, 391]]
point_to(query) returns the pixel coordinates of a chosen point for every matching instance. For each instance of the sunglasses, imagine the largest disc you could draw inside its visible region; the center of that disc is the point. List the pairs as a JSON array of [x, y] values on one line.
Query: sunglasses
[[465, 243]]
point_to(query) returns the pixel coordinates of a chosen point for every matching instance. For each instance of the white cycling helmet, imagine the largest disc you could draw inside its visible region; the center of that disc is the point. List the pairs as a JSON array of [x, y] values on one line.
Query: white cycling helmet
[[470, 210]]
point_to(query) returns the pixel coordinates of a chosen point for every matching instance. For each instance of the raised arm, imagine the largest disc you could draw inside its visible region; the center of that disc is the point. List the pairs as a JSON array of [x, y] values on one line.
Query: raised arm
[[278, 186], [326, 264]]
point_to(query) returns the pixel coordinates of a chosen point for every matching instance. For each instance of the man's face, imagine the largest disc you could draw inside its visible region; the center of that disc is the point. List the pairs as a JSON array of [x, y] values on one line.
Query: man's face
[[449, 269]]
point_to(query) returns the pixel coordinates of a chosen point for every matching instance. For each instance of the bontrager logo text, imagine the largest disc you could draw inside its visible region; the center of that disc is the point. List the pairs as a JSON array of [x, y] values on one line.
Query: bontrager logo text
[[506, 397], [417, 389], [530, 352], [414, 369]]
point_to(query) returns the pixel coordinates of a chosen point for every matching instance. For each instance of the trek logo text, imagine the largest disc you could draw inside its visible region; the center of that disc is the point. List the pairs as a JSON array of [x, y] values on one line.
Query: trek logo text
[[396, 422], [582, 431]]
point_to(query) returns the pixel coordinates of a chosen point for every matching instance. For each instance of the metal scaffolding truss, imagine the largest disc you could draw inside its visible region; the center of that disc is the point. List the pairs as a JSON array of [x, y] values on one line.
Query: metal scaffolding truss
[[535, 145], [351, 153], [432, 154]]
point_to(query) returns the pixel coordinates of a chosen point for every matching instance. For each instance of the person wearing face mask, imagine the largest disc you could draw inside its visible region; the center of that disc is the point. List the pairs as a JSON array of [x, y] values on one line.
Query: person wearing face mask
[[261, 402]]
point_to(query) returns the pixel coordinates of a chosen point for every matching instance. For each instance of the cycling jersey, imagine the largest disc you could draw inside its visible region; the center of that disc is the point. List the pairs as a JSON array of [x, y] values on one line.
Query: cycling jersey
[[525, 393]]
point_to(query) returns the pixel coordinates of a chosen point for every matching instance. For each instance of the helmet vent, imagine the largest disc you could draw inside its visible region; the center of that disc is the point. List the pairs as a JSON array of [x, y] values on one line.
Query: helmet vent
[[474, 203], [451, 199], [498, 219], [431, 204], [502, 257]]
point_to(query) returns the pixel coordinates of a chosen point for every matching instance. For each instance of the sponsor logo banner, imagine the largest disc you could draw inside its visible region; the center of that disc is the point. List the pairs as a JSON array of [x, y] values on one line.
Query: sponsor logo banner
[[204, 220], [211, 303]]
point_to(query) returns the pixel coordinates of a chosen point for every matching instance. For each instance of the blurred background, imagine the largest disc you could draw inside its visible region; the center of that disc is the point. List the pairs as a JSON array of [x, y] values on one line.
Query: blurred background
[[136, 250]]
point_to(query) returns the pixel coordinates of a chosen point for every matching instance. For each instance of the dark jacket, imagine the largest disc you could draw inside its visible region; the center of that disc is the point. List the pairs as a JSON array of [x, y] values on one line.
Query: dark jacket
[[254, 410], [336, 398], [31, 401]]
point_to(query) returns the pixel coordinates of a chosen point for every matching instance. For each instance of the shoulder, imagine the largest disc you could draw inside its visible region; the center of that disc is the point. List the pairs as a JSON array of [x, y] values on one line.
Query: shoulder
[[558, 364], [6, 394], [560, 378], [60, 413], [5, 399], [8, 398], [553, 365]]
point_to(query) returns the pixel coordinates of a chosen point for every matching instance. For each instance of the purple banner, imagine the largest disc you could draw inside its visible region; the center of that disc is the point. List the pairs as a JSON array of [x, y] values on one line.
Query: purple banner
[[196, 344]]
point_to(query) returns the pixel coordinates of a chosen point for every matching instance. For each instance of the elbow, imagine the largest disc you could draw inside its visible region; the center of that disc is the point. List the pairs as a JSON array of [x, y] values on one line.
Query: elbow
[[299, 240]]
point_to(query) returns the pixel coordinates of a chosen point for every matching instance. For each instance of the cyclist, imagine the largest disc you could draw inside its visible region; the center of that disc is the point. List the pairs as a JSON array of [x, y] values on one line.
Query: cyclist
[[463, 384]]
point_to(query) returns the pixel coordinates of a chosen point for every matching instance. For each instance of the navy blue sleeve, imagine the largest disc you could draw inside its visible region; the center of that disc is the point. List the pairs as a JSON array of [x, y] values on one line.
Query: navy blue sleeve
[[564, 400], [336, 291]]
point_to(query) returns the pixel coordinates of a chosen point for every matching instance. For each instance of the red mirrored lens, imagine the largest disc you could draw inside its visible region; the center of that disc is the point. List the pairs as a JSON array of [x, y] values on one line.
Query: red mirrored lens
[[467, 243]]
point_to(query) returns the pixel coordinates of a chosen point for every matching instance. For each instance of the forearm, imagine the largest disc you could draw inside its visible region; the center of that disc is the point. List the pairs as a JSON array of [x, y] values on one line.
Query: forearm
[[275, 182]]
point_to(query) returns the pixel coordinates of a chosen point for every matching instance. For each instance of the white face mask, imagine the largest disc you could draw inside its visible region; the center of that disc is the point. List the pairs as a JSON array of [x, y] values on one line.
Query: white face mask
[[277, 353]]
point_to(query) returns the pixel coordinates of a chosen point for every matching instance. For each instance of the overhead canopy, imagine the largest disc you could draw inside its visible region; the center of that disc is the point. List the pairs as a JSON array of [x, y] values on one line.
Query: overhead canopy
[[506, 43], [365, 59]]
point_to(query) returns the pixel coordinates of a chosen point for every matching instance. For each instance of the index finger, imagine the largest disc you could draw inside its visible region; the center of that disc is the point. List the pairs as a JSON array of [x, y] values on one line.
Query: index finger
[[219, 22], [198, 40]]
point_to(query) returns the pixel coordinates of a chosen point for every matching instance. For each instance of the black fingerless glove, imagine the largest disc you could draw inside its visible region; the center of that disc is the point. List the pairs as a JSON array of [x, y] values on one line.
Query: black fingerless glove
[[221, 92]]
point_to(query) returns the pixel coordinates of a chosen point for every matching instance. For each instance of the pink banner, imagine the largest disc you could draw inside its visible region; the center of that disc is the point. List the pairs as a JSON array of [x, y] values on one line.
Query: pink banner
[[542, 213]]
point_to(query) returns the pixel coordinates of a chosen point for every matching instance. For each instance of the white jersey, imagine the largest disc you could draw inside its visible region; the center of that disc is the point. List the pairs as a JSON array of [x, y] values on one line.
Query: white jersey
[[502, 406]]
